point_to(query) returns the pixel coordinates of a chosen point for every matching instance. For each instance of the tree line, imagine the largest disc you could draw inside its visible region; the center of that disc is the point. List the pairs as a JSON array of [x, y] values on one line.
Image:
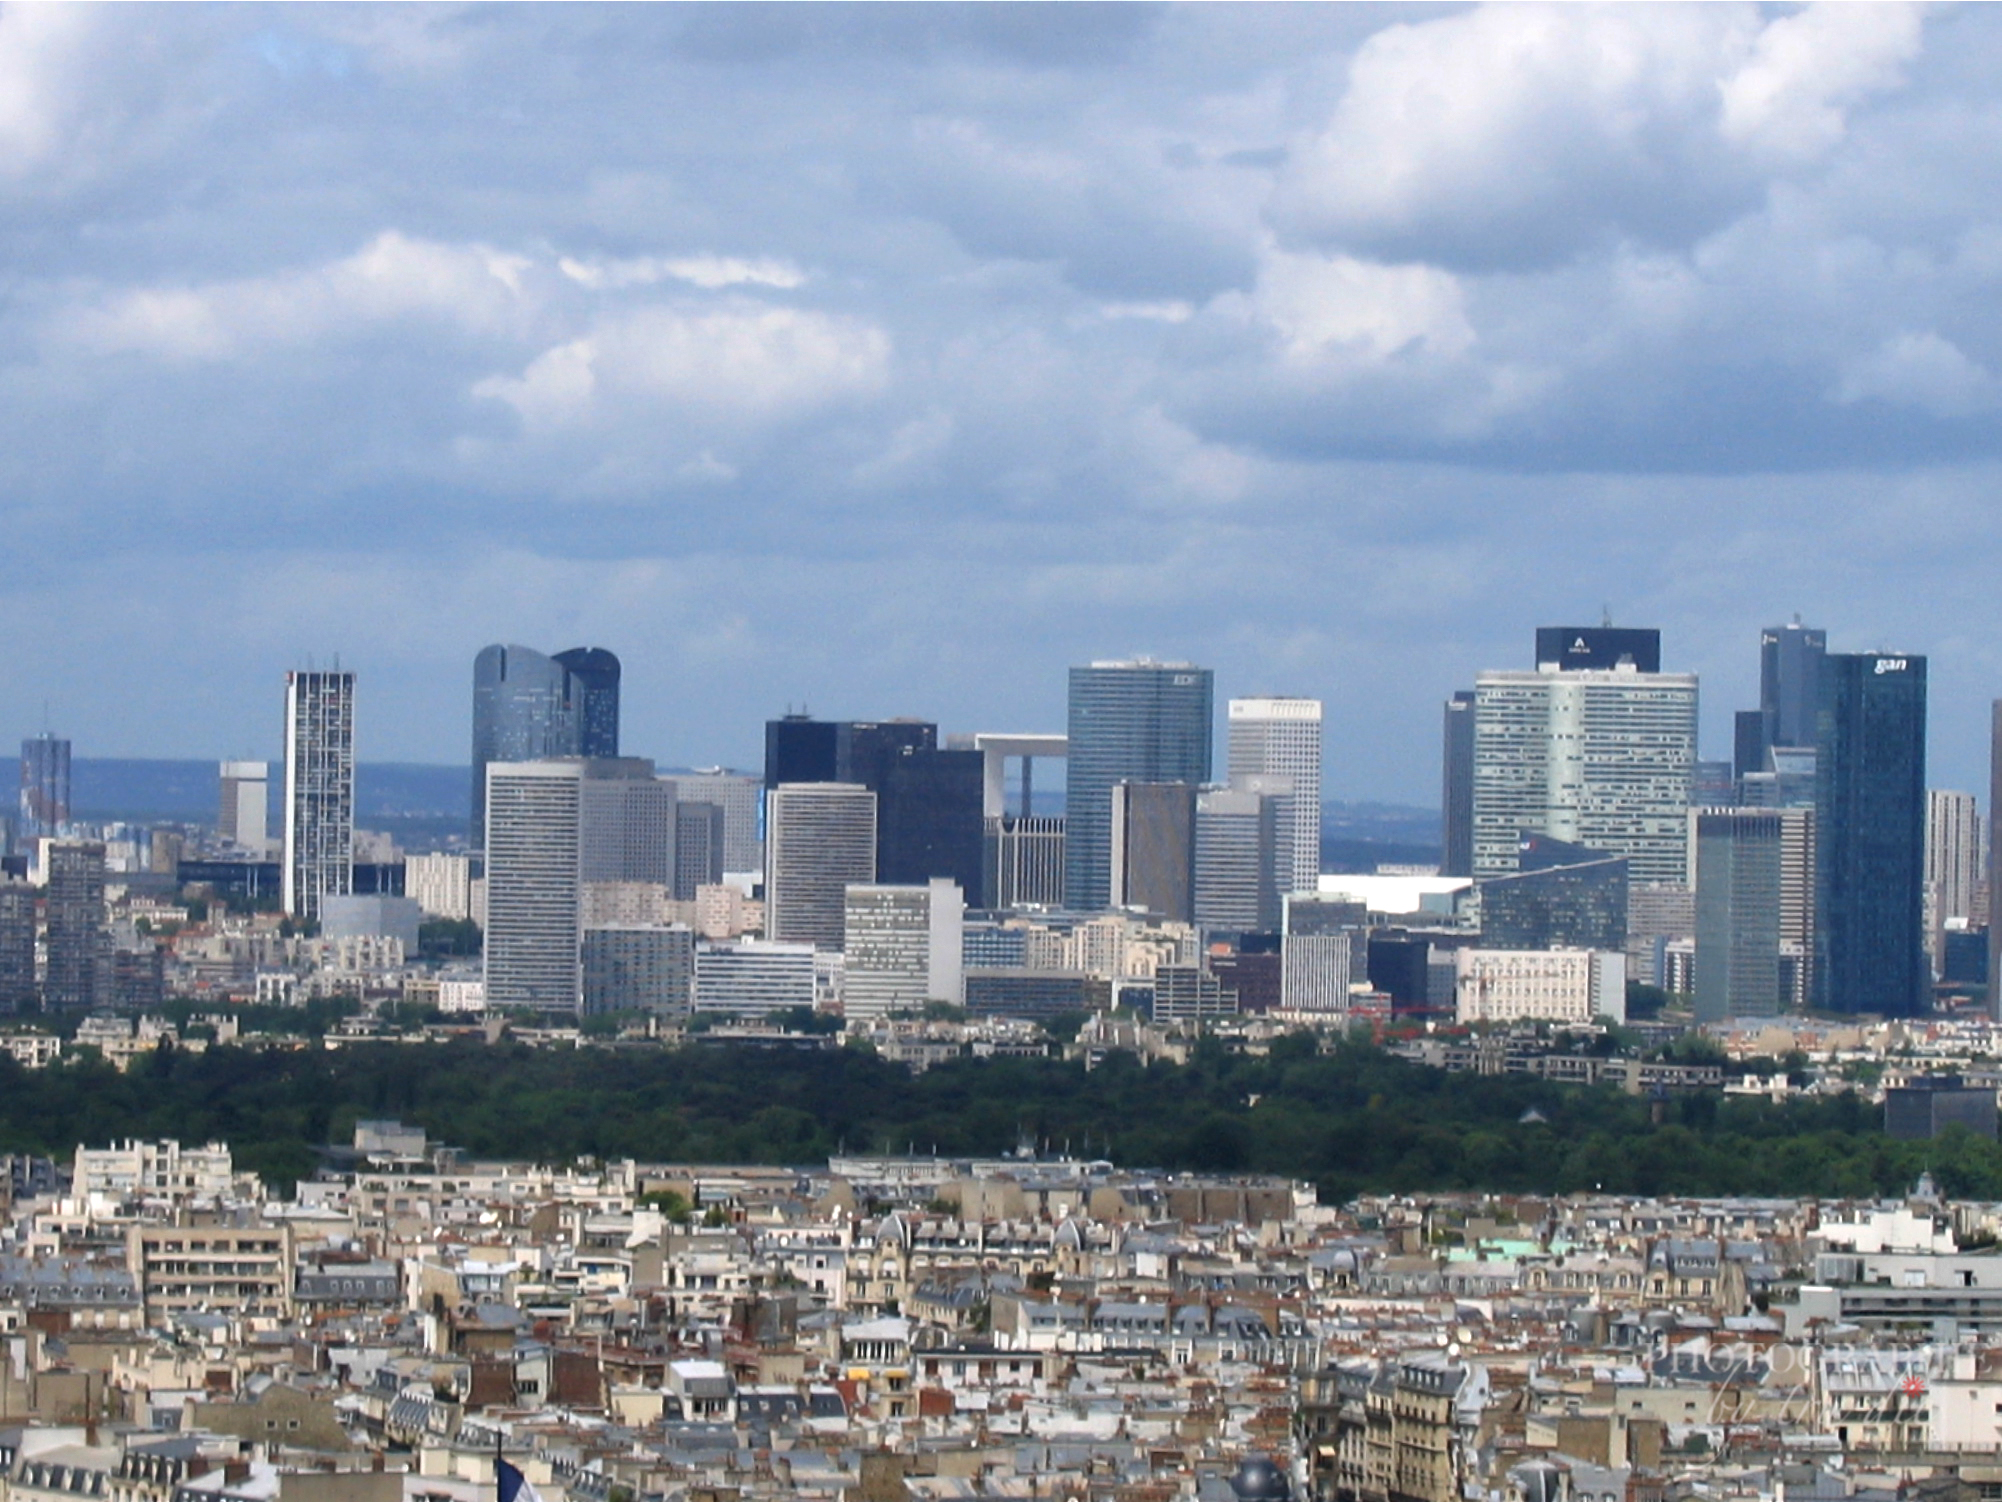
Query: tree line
[[1350, 1119]]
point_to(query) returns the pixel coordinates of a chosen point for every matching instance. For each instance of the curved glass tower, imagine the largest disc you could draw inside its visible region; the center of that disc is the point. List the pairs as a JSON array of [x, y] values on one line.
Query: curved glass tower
[[594, 690], [527, 707]]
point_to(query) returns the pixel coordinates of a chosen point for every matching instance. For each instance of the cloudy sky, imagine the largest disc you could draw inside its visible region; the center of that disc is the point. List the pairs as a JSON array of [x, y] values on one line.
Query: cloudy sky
[[889, 360]]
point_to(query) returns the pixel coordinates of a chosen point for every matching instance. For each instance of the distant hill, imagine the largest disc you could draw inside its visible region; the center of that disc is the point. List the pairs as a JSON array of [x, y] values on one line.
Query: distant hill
[[424, 806], [185, 792]]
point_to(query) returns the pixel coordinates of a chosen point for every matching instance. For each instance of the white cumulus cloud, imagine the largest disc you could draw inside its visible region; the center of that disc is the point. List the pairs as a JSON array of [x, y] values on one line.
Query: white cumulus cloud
[[743, 360], [393, 277]]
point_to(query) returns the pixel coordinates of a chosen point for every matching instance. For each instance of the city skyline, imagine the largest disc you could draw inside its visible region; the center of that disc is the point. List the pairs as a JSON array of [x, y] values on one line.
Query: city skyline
[[860, 363], [1719, 725]]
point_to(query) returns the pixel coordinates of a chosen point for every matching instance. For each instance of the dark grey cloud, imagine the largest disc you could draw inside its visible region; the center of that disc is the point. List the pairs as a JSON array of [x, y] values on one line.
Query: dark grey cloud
[[893, 358]]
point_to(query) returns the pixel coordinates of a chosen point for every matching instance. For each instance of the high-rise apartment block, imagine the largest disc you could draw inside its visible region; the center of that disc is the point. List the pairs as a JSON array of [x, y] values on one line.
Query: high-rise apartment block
[[319, 789], [1738, 906], [245, 795], [904, 946], [1281, 738], [1870, 818], [17, 944], [45, 787], [820, 837], [1601, 757], [78, 975], [528, 707], [1134, 722], [440, 885]]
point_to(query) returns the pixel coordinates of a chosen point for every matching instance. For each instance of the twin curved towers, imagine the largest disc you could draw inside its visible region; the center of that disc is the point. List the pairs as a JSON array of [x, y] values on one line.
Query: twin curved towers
[[527, 706]]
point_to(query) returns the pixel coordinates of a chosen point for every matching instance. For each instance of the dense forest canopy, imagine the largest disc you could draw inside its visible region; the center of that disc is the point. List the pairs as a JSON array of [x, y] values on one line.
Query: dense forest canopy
[[1350, 1120]]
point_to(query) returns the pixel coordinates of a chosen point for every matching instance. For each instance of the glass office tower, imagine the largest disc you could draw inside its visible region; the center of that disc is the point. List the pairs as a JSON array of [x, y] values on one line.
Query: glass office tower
[[1141, 722], [1870, 826]]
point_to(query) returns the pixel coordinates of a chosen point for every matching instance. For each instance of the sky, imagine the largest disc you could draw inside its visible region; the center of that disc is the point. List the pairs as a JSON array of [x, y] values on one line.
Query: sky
[[889, 360]]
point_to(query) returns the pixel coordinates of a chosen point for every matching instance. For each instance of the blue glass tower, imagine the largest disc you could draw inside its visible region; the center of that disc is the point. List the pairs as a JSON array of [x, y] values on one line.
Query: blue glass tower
[[1870, 831], [527, 706], [594, 690], [1144, 722]]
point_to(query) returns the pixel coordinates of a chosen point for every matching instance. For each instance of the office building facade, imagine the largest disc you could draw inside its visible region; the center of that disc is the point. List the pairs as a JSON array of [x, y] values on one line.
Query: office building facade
[[318, 857], [641, 968], [928, 817], [698, 847], [904, 946], [241, 813], [1562, 896], [1281, 738], [819, 838], [1133, 722], [1236, 883], [753, 977], [1597, 758], [1790, 663], [45, 787], [1738, 868], [555, 827], [1953, 866], [1559, 985], [1153, 844], [1024, 861], [740, 796], [627, 822], [533, 890], [1870, 816]]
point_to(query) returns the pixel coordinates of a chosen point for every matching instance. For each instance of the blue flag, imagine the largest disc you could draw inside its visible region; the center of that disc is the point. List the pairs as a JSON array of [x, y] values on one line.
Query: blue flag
[[513, 1486]]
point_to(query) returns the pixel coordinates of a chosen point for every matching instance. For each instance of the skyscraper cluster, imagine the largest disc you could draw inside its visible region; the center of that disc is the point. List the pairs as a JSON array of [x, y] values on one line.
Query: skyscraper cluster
[[881, 865], [1799, 874], [865, 844]]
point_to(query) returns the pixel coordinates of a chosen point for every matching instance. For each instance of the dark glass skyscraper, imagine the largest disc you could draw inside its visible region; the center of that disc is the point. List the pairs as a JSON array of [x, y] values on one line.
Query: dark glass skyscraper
[[1147, 722], [1589, 649], [928, 802], [928, 818], [1790, 663], [527, 707], [594, 691], [1870, 822]]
